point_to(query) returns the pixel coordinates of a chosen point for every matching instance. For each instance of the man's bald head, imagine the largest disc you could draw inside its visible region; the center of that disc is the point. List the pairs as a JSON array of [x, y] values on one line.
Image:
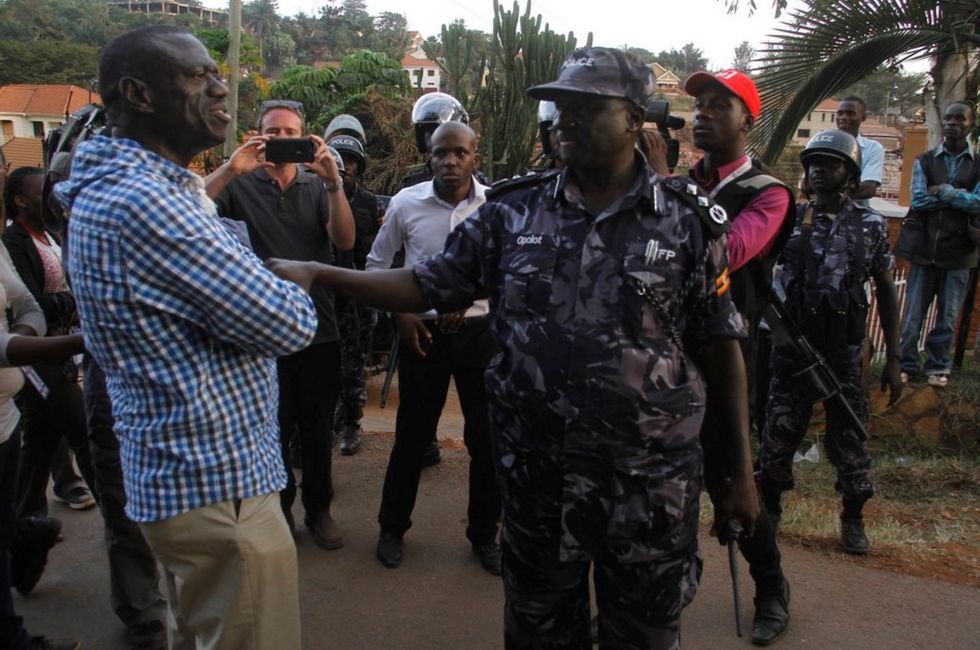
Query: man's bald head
[[461, 130], [139, 53], [454, 159]]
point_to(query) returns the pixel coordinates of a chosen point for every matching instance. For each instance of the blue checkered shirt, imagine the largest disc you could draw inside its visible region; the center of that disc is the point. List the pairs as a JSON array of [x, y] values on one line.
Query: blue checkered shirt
[[186, 323]]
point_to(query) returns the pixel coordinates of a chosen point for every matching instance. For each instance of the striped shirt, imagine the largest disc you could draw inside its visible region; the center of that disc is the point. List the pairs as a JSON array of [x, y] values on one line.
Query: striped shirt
[[186, 323]]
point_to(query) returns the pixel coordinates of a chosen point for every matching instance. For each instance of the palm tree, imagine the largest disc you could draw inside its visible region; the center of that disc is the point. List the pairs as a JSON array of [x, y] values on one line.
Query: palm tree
[[825, 46], [262, 18]]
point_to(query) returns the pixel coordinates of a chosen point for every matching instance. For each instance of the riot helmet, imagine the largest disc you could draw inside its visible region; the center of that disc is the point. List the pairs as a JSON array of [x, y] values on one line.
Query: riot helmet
[[547, 113], [345, 124], [836, 144], [336, 156], [352, 146], [431, 110]]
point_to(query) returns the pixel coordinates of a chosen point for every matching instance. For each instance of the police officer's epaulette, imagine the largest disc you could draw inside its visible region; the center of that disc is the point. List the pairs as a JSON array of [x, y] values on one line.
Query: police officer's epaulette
[[527, 179], [713, 216]]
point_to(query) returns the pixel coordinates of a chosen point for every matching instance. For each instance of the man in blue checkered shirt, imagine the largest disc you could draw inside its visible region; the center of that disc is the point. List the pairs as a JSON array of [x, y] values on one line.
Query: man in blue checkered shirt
[[187, 324]]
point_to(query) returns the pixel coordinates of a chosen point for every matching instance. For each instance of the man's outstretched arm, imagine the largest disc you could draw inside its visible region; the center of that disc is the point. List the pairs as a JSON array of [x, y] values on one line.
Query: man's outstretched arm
[[395, 290]]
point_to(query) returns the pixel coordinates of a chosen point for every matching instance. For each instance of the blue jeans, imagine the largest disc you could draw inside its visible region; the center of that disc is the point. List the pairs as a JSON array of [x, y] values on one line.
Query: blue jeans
[[924, 282]]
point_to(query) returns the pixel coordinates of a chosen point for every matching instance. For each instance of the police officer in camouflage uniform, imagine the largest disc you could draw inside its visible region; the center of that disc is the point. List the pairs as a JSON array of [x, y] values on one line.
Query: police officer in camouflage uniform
[[355, 319], [835, 248], [599, 278]]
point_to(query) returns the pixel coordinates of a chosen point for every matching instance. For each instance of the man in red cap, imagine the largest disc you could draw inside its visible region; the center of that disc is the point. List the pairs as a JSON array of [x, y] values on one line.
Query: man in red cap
[[760, 207]]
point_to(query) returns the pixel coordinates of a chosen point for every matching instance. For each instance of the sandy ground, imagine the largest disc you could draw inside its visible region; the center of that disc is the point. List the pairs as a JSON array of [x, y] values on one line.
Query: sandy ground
[[440, 598]]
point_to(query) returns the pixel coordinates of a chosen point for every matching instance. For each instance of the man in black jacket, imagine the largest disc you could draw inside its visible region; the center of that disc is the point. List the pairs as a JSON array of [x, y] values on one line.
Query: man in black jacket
[[939, 238]]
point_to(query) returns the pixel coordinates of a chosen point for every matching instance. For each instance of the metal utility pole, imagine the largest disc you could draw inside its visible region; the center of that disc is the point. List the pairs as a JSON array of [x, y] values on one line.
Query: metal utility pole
[[234, 48]]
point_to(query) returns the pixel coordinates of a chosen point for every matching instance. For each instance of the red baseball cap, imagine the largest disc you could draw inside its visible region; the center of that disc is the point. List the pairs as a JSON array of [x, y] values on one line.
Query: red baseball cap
[[739, 83]]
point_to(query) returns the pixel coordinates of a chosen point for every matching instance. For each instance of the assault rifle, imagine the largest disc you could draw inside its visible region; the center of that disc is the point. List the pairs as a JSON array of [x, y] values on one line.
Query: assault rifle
[[814, 369]]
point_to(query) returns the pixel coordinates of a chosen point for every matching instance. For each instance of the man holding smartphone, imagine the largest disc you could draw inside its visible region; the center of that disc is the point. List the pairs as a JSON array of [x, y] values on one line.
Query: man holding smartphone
[[295, 211]]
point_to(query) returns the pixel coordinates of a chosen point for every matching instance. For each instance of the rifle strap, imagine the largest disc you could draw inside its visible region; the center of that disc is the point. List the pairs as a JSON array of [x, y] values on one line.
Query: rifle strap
[[806, 228]]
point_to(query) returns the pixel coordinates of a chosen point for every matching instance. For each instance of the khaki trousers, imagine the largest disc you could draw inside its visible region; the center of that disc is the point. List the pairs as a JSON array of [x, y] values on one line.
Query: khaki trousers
[[230, 576]]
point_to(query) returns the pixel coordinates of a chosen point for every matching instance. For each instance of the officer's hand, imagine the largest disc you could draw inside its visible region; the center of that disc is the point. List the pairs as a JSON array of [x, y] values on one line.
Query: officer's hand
[[414, 333], [739, 503], [302, 273], [891, 377], [323, 164], [653, 146], [250, 156]]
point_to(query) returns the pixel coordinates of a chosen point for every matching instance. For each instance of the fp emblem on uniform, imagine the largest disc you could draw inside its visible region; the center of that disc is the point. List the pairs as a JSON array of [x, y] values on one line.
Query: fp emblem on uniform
[[718, 214]]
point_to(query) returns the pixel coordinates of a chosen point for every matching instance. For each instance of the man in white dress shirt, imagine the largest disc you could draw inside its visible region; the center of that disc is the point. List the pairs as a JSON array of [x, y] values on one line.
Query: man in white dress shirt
[[433, 348]]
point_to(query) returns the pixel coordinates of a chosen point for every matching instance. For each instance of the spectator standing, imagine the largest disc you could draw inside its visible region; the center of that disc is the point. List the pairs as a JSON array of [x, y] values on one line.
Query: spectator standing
[[761, 210], [939, 238], [51, 403], [296, 211], [19, 347], [851, 114], [433, 348]]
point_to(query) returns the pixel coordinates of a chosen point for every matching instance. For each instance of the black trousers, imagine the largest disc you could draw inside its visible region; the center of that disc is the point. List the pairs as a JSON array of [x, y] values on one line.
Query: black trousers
[[12, 632], [423, 384], [134, 582], [309, 381], [45, 422]]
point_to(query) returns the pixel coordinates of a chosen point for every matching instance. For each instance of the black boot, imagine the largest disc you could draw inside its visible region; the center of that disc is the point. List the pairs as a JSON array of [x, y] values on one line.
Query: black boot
[[771, 615], [852, 535]]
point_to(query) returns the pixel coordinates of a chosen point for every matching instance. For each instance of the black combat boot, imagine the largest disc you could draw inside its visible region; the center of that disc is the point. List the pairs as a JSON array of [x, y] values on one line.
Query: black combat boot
[[852, 535]]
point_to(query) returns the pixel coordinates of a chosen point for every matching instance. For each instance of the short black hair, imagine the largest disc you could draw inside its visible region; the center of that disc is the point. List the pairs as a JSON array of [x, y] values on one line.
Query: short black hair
[[15, 187], [856, 99], [132, 54], [965, 102]]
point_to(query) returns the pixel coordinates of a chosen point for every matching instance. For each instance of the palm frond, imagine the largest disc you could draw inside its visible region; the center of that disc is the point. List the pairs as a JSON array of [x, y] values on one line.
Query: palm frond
[[819, 50]]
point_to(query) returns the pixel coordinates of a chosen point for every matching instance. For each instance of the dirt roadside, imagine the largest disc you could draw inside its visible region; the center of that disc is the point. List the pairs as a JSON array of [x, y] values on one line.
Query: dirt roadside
[[440, 598]]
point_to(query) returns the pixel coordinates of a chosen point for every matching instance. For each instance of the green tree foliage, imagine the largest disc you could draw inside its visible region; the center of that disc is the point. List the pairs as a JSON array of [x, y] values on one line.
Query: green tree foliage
[[390, 138], [462, 54], [216, 40], [48, 62], [389, 35], [643, 54], [743, 57], [684, 61], [322, 90], [261, 18], [890, 89]]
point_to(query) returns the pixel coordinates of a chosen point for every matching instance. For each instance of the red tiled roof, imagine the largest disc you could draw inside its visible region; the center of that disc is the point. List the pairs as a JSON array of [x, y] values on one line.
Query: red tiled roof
[[24, 152], [45, 99], [827, 105], [409, 61]]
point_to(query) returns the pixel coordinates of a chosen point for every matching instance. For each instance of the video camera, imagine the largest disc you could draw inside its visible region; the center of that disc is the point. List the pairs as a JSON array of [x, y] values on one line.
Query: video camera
[[658, 112]]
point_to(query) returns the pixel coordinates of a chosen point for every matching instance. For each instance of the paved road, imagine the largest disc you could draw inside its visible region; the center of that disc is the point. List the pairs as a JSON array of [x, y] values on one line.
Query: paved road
[[440, 598]]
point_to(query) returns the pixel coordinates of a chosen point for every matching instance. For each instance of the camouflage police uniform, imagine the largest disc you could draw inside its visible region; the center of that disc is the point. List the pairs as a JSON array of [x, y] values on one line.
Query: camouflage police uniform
[[595, 406], [355, 320], [834, 287]]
